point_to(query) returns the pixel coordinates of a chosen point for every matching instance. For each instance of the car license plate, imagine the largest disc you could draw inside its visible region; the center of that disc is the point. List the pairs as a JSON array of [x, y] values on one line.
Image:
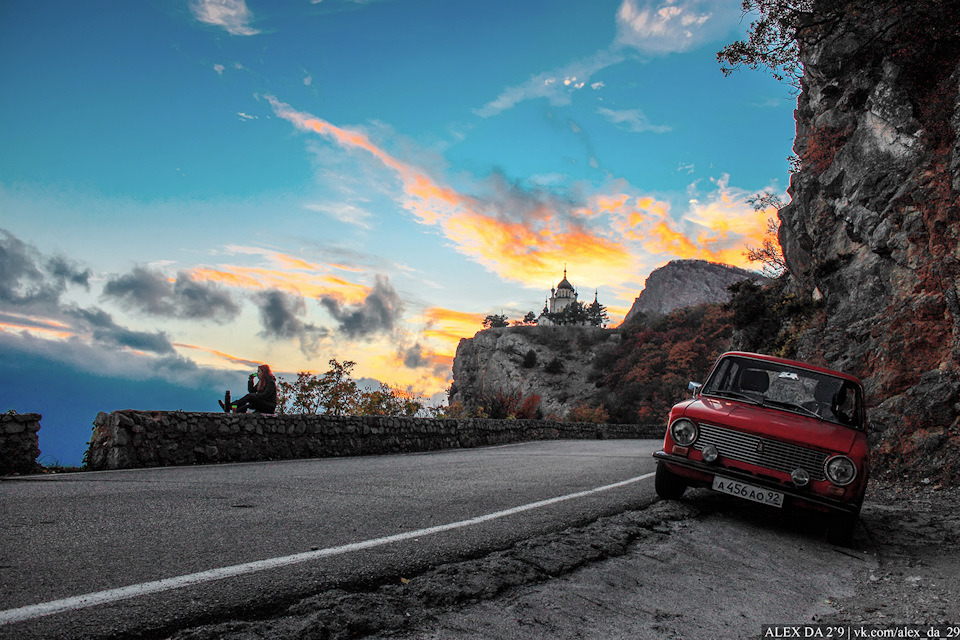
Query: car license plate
[[747, 491]]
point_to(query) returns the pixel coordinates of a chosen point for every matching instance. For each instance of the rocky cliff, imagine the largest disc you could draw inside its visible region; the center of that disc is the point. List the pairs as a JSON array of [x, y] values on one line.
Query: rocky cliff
[[555, 363], [686, 283], [874, 220]]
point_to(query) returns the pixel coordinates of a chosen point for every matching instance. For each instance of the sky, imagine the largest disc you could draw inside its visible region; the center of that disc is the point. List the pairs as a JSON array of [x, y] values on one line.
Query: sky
[[189, 188]]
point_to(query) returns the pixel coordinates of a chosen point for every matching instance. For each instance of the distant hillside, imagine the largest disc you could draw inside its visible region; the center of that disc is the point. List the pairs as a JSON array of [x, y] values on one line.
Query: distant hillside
[[633, 373], [687, 283]]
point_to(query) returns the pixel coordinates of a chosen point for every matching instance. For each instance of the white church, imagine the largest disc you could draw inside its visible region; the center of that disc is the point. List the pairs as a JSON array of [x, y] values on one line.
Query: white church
[[561, 297]]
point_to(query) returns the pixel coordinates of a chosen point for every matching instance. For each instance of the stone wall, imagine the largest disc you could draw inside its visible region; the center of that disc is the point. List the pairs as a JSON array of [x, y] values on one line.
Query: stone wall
[[131, 439], [19, 446]]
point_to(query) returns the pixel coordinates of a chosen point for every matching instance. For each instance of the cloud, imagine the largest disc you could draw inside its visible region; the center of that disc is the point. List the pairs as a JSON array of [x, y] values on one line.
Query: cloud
[[280, 317], [379, 312], [68, 271], [12, 322], [673, 26], [231, 15], [153, 293], [219, 354], [311, 285], [716, 227], [433, 369], [31, 280], [526, 233], [346, 213], [105, 331], [413, 357], [632, 120], [448, 326], [34, 284], [122, 364], [522, 234], [555, 86]]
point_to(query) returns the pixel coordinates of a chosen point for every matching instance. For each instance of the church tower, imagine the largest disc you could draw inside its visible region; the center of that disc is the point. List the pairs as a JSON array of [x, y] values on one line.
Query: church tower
[[563, 295]]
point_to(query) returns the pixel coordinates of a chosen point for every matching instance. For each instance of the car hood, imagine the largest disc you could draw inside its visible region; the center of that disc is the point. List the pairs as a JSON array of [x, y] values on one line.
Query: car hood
[[772, 423]]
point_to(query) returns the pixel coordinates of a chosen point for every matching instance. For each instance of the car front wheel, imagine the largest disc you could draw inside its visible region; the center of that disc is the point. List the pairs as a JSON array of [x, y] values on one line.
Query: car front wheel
[[669, 485], [840, 528]]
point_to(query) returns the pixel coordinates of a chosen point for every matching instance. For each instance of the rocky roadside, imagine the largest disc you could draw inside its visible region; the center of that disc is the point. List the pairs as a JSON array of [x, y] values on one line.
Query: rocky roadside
[[707, 566], [915, 531]]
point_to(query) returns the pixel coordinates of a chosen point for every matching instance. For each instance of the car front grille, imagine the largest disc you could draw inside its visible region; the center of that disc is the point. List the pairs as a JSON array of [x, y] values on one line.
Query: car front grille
[[762, 452]]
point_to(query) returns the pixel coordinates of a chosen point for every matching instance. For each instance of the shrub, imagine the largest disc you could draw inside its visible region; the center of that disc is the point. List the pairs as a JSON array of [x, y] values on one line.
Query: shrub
[[530, 359], [586, 413], [530, 408], [509, 405], [554, 366]]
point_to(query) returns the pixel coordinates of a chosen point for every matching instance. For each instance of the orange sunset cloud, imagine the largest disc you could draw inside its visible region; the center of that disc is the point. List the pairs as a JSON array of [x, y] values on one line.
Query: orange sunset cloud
[[447, 327], [38, 331], [304, 284], [527, 251], [219, 354], [526, 241]]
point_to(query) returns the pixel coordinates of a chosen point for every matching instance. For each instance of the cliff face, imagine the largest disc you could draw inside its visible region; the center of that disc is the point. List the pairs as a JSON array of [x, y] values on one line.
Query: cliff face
[[559, 371], [874, 221], [686, 283]]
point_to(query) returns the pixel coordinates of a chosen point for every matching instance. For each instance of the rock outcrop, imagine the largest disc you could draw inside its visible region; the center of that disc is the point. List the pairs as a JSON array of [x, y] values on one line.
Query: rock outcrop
[[874, 221], [554, 363], [687, 283]]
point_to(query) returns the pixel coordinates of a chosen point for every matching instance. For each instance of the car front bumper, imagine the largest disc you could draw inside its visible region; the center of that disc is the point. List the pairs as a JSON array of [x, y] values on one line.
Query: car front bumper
[[733, 474]]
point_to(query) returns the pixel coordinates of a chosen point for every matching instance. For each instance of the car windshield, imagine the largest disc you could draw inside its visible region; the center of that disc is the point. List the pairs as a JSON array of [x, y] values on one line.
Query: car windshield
[[780, 386]]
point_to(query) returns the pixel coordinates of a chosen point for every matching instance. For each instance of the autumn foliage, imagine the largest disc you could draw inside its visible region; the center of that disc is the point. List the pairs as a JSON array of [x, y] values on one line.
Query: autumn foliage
[[656, 359]]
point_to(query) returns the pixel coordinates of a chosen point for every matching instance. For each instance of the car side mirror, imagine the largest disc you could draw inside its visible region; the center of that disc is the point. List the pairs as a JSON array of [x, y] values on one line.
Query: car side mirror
[[694, 387]]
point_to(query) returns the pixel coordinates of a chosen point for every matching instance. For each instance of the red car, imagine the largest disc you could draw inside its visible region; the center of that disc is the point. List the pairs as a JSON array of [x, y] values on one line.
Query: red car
[[774, 431]]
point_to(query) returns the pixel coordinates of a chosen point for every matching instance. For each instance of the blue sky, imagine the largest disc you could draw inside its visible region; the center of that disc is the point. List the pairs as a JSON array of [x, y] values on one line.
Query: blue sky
[[190, 188]]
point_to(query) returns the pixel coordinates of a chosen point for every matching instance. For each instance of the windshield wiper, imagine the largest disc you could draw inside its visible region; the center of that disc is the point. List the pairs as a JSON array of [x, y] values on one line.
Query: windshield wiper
[[793, 407], [736, 395]]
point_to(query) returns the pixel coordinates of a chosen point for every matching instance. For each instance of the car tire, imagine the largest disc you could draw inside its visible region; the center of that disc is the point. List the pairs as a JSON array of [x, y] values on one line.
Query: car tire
[[840, 528], [669, 485]]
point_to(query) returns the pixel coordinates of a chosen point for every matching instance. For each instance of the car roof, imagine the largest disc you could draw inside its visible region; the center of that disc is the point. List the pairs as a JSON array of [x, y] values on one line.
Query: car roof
[[793, 363]]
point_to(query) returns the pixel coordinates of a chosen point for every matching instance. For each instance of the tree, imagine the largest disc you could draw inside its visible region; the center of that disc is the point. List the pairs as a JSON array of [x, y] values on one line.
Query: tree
[[527, 320], [597, 314], [337, 394], [573, 313], [769, 254], [302, 396], [495, 322], [340, 393], [388, 401], [772, 40]]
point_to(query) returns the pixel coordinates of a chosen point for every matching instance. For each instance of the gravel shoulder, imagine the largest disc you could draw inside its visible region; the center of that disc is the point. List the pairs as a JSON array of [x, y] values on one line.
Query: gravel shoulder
[[706, 566]]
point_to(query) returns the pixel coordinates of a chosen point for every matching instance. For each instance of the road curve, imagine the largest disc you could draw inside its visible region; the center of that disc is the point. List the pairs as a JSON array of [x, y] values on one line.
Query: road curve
[[141, 553]]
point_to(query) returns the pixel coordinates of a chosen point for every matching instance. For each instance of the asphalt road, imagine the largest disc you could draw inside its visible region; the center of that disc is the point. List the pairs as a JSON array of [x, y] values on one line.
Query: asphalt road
[[310, 524]]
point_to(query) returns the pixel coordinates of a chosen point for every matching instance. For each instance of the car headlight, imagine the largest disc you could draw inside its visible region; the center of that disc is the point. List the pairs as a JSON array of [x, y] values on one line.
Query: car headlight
[[683, 432], [840, 470]]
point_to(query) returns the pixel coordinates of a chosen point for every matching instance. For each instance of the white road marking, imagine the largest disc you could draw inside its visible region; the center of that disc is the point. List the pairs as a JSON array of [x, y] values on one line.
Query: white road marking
[[30, 612]]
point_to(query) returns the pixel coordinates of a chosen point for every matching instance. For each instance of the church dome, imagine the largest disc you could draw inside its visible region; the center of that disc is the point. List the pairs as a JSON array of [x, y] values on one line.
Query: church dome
[[565, 284]]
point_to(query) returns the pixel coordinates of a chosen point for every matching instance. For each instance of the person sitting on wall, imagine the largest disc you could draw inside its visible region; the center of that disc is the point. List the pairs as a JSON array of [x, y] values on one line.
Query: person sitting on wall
[[262, 396]]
